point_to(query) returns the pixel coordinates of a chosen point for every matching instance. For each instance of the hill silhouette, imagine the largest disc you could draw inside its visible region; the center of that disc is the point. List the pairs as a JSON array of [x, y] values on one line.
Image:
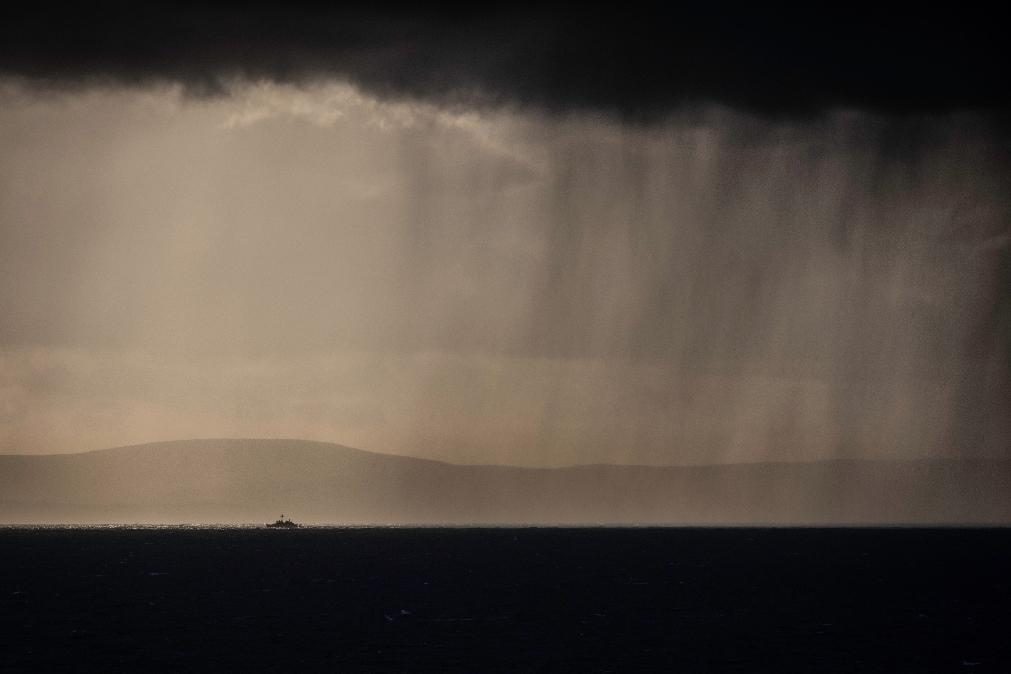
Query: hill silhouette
[[254, 480]]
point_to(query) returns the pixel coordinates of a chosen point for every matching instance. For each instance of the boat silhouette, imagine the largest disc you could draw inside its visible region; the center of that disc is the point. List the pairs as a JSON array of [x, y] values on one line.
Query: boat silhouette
[[283, 524]]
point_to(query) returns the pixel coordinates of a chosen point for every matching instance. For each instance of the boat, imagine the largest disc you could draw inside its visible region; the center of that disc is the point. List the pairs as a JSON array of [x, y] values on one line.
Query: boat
[[283, 524]]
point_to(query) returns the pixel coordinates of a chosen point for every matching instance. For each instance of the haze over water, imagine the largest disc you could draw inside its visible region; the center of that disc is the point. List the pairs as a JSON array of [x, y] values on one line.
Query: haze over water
[[510, 237]]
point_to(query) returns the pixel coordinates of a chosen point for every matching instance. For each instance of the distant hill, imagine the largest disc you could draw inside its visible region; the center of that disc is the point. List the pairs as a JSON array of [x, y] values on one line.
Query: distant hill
[[255, 480]]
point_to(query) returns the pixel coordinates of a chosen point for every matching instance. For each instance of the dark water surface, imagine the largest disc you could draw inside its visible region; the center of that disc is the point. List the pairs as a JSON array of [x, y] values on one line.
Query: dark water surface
[[476, 600]]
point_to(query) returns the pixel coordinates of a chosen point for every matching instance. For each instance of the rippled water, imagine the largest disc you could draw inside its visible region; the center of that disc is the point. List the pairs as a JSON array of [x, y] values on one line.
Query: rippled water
[[534, 599]]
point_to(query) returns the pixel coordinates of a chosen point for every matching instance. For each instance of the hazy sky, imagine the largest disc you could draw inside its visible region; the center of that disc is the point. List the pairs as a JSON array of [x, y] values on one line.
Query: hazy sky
[[521, 276]]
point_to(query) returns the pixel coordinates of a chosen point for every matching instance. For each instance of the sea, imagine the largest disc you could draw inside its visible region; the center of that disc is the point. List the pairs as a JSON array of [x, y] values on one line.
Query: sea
[[402, 599]]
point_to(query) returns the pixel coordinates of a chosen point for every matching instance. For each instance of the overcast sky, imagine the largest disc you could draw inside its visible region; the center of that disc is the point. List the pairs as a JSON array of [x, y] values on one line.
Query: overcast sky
[[441, 255]]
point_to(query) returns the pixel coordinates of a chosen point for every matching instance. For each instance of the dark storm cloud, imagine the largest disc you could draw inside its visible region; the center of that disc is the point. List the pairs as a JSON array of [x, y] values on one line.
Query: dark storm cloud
[[637, 60]]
